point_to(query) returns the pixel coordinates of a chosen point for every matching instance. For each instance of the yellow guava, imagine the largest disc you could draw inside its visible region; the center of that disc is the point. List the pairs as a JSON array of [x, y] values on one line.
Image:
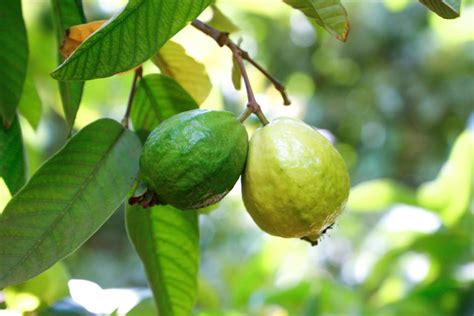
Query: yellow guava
[[295, 183]]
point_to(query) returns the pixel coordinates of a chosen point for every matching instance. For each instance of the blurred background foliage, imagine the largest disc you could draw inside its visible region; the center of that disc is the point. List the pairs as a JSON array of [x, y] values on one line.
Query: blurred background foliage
[[398, 100]]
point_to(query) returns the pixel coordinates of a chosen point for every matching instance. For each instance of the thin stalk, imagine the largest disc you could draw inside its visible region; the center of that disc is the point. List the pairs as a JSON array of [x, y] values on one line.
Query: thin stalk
[[138, 74], [240, 55]]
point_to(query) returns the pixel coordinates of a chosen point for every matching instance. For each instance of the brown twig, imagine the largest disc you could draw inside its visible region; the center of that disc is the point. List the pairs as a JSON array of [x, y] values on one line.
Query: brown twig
[[276, 83], [138, 74], [223, 40]]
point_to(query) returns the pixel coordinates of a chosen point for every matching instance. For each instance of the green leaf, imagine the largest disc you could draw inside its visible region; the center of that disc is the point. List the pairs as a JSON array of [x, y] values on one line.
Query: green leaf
[[13, 58], [30, 103], [12, 157], [167, 241], [451, 192], [130, 38], [330, 14], [5, 195], [446, 247], [377, 195], [190, 74], [221, 22], [147, 307], [68, 13], [157, 98], [49, 286], [448, 9], [67, 200], [236, 74]]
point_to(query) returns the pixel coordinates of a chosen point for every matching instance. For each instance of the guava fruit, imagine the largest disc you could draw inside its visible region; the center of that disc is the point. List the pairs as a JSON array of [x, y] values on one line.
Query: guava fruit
[[192, 159], [295, 183]]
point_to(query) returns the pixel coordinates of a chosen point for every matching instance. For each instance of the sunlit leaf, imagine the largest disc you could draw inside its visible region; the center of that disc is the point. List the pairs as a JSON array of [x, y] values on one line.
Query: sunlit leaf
[[453, 190], [189, 73], [5, 195], [167, 241], [68, 13], [12, 159], [236, 74], [448, 9], [289, 297], [221, 22], [67, 200], [376, 195], [147, 307], [13, 58], [330, 14], [30, 106], [208, 294], [446, 247], [157, 98], [330, 296], [49, 286], [130, 38]]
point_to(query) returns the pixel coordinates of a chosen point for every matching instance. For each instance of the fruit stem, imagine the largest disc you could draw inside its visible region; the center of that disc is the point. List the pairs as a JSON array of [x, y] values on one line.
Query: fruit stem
[[138, 74], [223, 39], [245, 115], [252, 102]]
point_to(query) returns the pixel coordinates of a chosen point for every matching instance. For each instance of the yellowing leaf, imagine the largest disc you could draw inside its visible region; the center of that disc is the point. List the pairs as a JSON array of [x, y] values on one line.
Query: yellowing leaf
[[236, 74], [189, 73], [221, 22], [129, 38], [67, 14], [77, 34]]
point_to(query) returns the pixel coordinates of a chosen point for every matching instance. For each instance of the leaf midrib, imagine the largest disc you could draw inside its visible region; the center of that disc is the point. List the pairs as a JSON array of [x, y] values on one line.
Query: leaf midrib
[[35, 246]]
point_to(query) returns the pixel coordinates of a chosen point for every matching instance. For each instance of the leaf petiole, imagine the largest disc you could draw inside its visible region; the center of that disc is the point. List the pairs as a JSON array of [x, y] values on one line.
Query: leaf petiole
[[138, 74]]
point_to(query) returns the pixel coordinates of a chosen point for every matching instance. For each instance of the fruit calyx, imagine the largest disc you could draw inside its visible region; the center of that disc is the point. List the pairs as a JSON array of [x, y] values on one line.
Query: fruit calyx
[[314, 239], [146, 200], [143, 196]]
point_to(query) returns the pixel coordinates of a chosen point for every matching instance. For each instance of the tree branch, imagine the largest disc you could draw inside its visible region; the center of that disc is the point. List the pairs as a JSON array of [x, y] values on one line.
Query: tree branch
[[131, 96], [223, 39]]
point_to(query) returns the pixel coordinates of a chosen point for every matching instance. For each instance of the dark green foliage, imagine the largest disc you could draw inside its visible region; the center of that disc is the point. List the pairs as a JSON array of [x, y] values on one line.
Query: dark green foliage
[[67, 200], [157, 98], [13, 58], [167, 241], [130, 38], [448, 9], [397, 97], [68, 13], [12, 157]]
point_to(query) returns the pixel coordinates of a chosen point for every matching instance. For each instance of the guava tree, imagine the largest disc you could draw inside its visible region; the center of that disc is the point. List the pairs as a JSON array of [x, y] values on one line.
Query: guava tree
[[189, 162]]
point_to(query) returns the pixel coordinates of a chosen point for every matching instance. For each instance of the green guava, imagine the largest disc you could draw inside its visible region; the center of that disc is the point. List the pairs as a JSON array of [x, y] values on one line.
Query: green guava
[[295, 182], [192, 159]]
